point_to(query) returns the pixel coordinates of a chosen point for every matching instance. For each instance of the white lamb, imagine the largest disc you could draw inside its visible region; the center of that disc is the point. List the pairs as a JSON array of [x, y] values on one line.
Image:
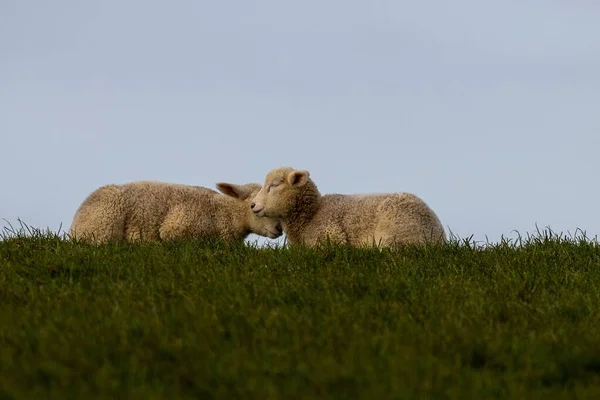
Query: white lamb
[[154, 211], [308, 217]]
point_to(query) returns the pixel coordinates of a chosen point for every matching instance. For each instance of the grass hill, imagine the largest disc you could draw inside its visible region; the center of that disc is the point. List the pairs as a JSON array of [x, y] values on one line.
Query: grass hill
[[201, 319]]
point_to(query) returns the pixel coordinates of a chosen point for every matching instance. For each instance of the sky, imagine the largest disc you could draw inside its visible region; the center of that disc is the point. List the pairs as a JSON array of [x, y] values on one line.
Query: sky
[[488, 111]]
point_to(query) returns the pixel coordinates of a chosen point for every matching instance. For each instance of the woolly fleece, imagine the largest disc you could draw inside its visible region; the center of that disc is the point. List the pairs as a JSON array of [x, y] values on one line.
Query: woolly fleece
[[379, 219], [154, 211]]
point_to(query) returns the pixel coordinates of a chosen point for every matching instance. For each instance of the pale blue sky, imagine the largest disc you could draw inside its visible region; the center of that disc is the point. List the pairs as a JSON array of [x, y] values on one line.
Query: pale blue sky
[[490, 111]]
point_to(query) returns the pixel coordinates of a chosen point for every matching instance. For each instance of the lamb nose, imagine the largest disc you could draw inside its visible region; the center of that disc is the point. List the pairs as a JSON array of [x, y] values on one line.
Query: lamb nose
[[252, 205]]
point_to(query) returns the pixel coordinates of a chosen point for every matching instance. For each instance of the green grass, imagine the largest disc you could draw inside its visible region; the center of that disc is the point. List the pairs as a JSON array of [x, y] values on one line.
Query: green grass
[[206, 320]]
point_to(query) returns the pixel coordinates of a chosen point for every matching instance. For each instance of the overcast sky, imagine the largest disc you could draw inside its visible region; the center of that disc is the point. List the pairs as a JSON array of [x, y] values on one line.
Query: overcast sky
[[489, 111]]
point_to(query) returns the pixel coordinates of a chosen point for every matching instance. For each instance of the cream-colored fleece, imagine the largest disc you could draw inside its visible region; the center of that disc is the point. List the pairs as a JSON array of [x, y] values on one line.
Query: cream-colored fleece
[[154, 211], [358, 220]]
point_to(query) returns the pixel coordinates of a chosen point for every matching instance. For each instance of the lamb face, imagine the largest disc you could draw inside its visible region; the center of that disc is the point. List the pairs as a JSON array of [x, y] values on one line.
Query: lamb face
[[269, 227], [264, 226], [279, 193]]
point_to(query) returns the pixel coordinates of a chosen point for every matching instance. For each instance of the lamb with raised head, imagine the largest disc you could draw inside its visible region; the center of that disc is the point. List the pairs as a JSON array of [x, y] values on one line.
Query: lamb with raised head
[[155, 211], [308, 217]]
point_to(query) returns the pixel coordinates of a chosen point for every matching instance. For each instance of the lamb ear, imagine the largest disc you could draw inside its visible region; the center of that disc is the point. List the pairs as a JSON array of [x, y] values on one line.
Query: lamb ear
[[235, 191], [298, 178]]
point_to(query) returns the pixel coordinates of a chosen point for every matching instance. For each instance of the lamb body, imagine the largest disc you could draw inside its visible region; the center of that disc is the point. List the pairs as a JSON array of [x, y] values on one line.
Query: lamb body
[[154, 211], [308, 217]]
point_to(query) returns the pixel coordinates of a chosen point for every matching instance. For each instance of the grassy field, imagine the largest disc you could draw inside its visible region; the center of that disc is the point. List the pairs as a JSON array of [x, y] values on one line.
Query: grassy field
[[207, 320]]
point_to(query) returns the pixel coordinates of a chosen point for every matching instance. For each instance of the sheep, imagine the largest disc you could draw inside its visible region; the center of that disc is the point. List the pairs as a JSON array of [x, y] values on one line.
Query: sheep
[[158, 211], [307, 217]]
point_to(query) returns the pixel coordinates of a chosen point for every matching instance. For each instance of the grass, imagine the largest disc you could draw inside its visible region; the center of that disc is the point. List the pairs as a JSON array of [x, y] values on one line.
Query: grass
[[201, 319]]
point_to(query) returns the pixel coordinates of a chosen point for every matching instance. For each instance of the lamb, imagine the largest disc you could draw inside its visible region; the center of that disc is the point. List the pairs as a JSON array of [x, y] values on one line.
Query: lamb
[[307, 217], [158, 211]]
